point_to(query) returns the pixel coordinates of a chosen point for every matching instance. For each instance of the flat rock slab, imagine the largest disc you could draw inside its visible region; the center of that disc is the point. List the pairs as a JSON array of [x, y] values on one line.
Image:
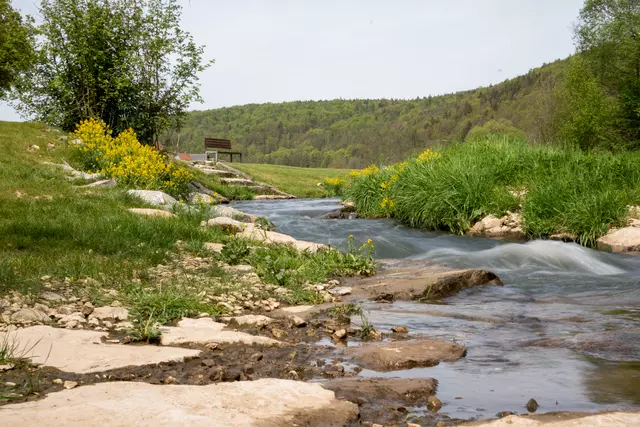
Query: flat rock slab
[[408, 390], [206, 331], [418, 281], [406, 354], [156, 198], [612, 419], [263, 403], [82, 351], [257, 320]]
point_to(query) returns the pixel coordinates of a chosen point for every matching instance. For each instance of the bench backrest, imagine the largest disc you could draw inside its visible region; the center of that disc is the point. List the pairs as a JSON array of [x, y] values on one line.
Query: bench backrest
[[224, 144]]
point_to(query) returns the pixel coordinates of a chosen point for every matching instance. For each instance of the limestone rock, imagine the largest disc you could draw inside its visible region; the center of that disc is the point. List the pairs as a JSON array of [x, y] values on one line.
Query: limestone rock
[[406, 354], [265, 402], [251, 320], [105, 183], [206, 331], [297, 321], [509, 225], [151, 212], [407, 390], [230, 212], [625, 239], [273, 197], [110, 313], [608, 419], [400, 329], [229, 225], [155, 198], [253, 233], [236, 181], [68, 385], [341, 291], [82, 351], [26, 315], [201, 199]]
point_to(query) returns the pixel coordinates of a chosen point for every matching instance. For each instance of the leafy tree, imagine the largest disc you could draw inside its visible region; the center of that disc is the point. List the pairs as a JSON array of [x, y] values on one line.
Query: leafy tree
[[16, 46], [608, 34], [495, 127], [588, 112], [126, 62]]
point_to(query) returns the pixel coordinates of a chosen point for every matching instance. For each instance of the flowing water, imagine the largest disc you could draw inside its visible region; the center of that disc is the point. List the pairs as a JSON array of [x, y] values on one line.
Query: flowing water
[[554, 292]]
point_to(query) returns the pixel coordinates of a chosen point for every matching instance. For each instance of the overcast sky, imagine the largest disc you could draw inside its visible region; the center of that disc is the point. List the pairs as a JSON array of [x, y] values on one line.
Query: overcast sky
[[278, 50]]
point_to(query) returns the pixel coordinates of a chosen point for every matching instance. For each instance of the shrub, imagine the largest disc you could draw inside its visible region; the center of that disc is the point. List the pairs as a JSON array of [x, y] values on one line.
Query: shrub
[[334, 186], [127, 160], [500, 127]]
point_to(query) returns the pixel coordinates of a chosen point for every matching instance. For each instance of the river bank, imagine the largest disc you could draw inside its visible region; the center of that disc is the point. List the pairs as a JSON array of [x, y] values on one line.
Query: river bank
[[502, 187]]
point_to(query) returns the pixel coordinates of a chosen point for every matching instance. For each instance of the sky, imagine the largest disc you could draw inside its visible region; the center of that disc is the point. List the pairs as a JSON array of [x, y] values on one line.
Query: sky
[[287, 50]]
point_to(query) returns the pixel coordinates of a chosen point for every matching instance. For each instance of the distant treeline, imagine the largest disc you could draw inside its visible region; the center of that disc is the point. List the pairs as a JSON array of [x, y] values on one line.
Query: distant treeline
[[355, 133]]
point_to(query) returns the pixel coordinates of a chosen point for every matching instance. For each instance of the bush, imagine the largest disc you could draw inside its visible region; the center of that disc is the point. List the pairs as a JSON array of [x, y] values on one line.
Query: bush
[[127, 160], [334, 186], [500, 127]]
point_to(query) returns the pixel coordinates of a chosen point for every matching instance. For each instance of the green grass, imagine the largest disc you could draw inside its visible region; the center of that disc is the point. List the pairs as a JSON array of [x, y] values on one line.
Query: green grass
[[301, 182], [567, 190], [50, 228]]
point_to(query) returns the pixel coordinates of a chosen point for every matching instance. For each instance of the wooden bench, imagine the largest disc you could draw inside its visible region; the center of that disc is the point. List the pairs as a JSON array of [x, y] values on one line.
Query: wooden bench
[[212, 145]]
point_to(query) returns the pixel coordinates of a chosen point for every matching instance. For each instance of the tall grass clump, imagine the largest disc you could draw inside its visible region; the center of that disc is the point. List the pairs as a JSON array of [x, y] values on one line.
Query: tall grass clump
[[555, 189]]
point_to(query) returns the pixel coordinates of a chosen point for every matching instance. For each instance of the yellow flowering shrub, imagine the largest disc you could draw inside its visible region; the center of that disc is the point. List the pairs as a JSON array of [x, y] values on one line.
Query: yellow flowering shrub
[[129, 162], [427, 155], [334, 185]]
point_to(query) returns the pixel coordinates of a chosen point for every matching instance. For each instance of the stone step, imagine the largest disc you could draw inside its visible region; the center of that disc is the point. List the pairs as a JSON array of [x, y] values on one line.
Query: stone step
[[237, 181]]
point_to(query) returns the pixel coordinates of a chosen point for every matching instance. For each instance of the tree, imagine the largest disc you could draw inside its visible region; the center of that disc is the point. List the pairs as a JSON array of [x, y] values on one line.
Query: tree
[[126, 62], [16, 46], [588, 113], [608, 35]]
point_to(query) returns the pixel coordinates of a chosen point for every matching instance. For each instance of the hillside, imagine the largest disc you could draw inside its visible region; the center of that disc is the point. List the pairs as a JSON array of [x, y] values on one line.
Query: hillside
[[354, 133]]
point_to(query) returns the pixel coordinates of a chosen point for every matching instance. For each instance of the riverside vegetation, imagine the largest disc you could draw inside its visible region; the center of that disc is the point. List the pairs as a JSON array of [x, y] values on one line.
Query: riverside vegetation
[[554, 189]]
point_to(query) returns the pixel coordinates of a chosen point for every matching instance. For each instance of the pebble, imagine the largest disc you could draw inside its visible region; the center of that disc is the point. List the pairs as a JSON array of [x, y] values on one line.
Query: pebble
[[57, 381], [532, 405], [433, 404], [400, 329], [169, 380], [68, 385], [278, 333], [10, 384]]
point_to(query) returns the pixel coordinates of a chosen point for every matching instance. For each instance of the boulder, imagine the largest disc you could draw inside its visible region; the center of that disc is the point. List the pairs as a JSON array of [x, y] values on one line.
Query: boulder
[[51, 296], [229, 225], [407, 390], [625, 239], [155, 198], [509, 226], [151, 212], [406, 354], [26, 315], [264, 402]]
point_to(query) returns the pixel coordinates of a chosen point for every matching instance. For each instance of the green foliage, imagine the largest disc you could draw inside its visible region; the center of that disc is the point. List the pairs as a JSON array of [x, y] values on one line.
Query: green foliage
[[500, 127], [235, 252], [126, 62], [567, 190], [606, 35], [589, 113], [16, 46], [287, 267], [265, 224]]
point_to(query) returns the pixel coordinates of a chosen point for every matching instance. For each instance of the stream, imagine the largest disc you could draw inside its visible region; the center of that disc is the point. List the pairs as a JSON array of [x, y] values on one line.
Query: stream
[[560, 296]]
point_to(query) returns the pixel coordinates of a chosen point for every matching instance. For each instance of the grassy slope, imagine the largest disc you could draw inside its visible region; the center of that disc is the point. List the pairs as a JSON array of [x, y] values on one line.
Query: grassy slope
[[50, 228], [356, 133], [301, 182]]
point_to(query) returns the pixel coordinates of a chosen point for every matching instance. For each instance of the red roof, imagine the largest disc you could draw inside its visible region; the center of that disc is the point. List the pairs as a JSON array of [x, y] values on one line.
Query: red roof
[[184, 156]]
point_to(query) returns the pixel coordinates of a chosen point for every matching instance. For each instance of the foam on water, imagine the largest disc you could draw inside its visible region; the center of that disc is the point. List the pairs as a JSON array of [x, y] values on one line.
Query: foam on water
[[540, 255]]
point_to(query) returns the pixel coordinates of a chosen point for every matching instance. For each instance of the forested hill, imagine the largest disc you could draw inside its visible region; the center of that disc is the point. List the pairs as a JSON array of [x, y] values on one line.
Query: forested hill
[[355, 133]]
